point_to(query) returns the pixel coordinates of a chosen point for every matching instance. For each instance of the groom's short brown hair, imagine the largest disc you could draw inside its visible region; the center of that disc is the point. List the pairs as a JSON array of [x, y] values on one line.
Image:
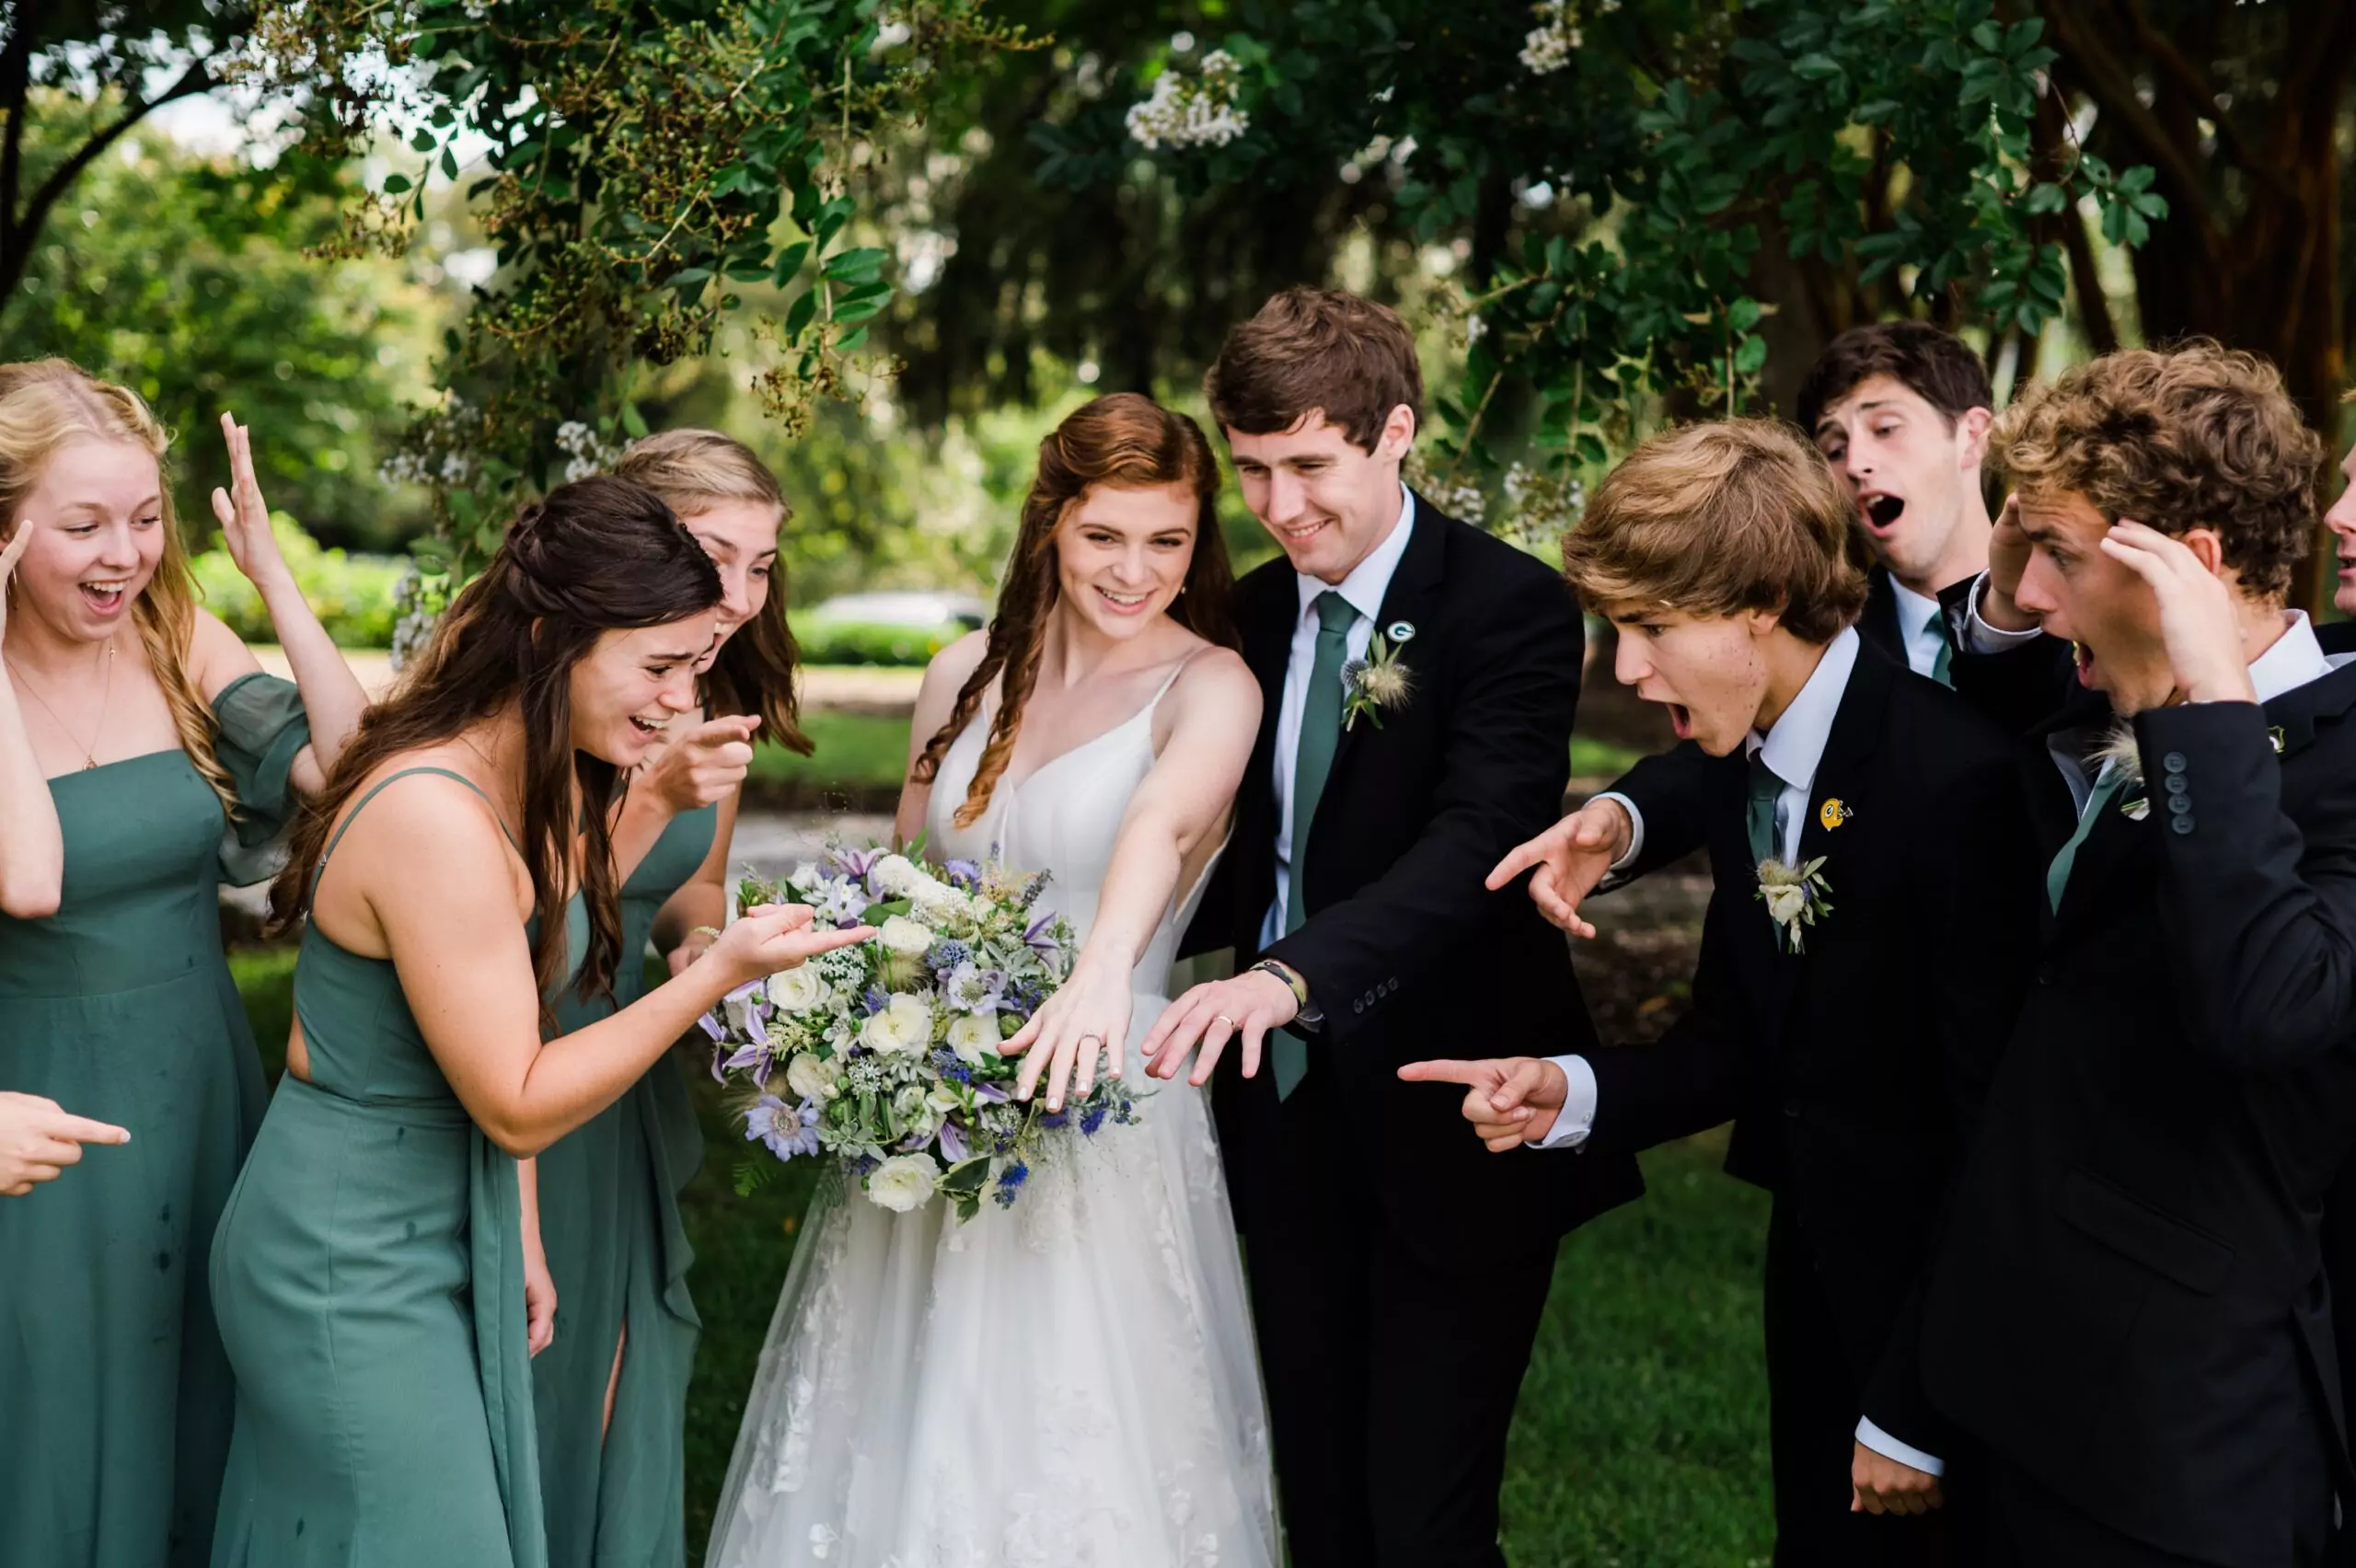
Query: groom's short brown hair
[[1715, 519], [1316, 351]]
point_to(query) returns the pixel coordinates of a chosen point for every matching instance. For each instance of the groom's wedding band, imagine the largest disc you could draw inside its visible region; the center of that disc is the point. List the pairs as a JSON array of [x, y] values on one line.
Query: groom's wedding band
[[1222, 1017]]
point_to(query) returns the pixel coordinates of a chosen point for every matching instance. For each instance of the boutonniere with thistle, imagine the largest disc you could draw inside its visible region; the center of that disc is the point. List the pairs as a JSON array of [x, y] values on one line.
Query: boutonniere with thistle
[[1378, 680], [1796, 897]]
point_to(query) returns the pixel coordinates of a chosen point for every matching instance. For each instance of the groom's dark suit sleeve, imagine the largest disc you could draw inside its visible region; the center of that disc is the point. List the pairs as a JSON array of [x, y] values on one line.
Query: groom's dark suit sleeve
[[1511, 695]]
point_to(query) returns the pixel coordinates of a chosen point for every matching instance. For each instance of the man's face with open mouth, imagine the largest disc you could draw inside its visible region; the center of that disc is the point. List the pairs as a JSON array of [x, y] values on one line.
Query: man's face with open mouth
[[1911, 468]]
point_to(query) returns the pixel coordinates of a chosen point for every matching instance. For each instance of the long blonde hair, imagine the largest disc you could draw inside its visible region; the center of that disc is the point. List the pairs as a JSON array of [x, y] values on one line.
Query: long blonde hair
[[691, 469], [45, 404]]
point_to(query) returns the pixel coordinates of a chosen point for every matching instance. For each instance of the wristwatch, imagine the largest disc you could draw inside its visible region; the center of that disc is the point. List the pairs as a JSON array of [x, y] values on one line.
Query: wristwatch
[[1308, 1014]]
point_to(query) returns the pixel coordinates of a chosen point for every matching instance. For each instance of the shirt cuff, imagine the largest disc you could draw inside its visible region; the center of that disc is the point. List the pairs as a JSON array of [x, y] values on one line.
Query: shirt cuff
[[1889, 1447], [1979, 637], [1577, 1118], [1636, 841]]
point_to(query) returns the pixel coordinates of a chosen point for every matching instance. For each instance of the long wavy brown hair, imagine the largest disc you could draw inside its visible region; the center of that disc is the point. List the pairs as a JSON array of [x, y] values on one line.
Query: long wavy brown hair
[[596, 556], [692, 469], [43, 405], [1120, 439]]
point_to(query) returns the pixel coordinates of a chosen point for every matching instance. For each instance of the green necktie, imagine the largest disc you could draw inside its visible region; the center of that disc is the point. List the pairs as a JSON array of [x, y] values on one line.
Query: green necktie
[[1320, 732], [1941, 667], [2056, 876], [1760, 816]]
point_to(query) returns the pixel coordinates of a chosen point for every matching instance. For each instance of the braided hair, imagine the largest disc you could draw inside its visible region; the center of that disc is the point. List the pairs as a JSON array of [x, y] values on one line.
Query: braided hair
[[1120, 439]]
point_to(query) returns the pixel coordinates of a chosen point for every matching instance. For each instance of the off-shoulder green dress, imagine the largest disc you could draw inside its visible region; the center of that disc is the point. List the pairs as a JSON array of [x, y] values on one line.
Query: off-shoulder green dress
[[617, 1251], [114, 1392], [368, 1273]]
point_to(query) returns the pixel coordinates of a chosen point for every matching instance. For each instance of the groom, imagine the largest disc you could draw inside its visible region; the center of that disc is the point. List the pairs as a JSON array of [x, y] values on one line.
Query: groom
[[1419, 680]]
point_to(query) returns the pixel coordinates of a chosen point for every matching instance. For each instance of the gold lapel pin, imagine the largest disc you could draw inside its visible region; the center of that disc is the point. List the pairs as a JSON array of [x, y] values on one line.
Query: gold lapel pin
[[1834, 813]]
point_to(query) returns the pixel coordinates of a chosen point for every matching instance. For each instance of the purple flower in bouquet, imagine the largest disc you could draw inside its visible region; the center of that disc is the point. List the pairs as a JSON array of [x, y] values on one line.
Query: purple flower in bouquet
[[788, 1130], [953, 1144], [1093, 1120], [947, 955], [964, 875]]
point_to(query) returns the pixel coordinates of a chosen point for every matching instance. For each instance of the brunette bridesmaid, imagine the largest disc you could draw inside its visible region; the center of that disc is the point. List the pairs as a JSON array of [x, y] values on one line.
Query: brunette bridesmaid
[[144, 760], [458, 874]]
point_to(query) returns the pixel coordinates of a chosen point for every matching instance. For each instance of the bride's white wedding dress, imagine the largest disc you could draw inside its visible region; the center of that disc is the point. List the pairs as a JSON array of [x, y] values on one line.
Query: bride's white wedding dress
[[1068, 1381]]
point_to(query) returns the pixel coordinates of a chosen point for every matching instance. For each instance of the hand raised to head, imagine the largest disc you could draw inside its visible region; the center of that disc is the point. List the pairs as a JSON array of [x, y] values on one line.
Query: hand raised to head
[[2198, 620]]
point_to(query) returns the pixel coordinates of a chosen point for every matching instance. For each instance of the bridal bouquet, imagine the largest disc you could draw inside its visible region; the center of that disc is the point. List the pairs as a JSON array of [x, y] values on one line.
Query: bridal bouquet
[[885, 1056]]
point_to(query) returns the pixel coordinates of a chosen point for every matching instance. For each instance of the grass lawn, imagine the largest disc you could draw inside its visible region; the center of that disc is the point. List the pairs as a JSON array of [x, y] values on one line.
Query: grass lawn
[[1641, 1438], [865, 755]]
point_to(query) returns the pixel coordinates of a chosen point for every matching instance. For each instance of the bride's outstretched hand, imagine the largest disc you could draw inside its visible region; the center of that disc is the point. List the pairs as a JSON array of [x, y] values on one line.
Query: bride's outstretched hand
[[777, 936], [1087, 1016]]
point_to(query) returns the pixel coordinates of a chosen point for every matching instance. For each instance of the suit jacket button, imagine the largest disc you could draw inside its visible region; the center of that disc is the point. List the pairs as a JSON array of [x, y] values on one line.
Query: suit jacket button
[[2173, 762], [1357, 1004], [2181, 821], [2174, 782], [2045, 974], [1792, 1109], [2180, 802]]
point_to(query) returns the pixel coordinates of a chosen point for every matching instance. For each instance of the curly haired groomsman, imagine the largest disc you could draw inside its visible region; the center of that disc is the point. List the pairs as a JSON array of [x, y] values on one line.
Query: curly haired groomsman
[[1420, 679], [2131, 1309]]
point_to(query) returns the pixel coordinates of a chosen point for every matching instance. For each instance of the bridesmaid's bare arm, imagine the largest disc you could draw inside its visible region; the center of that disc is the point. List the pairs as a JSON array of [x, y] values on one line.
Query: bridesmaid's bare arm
[[423, 877], [332, 697]]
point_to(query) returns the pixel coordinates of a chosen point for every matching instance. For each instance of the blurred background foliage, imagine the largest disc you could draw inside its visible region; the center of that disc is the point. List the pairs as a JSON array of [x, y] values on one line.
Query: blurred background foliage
[[1596, 215]]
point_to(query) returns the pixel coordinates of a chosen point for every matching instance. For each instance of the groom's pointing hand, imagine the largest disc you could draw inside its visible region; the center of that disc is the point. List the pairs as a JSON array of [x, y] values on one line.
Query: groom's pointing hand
[[1247, 1007]]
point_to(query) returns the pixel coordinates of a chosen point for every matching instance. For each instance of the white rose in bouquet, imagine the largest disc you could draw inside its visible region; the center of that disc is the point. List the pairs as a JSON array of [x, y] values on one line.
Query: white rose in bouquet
[[910, 938], [896, 876], [940, 903], [973, 1036], [902, 1028], [810, 1079], [798, 989], [903, 1182]]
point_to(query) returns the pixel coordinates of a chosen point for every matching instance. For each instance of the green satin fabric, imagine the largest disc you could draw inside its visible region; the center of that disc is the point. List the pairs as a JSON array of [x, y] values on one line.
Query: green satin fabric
[[618, 1253], [120, 1006]]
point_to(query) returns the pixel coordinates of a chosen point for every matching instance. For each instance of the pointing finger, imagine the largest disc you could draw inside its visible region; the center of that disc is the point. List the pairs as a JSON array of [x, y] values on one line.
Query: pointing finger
[[1470, 1074]]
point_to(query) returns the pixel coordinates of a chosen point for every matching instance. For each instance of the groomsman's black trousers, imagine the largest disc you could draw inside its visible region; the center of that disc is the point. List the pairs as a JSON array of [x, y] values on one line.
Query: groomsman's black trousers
[[1812, 1400], [1390, 1376]]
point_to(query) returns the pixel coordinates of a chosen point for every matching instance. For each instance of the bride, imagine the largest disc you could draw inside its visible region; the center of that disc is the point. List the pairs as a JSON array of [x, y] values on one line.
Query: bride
[[1070, 1380]]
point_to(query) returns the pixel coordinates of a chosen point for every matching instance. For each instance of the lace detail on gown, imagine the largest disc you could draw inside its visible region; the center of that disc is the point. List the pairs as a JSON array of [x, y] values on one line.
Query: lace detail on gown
[[1070, 1383]]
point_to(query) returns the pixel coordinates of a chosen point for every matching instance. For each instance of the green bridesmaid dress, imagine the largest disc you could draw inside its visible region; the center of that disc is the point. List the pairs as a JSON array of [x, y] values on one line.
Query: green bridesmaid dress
[[114, 1392], [369, 1278], [618, 1253]]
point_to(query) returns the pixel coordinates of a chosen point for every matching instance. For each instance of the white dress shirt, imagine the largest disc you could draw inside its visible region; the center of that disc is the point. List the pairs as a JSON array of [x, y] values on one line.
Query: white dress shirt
[[1364, 588], [1917, 625]]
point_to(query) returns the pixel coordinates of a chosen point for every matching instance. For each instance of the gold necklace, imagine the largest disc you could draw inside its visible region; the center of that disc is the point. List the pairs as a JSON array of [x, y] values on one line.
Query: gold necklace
[[106, 695]]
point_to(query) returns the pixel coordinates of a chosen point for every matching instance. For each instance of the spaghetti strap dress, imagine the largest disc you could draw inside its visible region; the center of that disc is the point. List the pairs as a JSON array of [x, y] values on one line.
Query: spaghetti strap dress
[[369, 1275], [618, 1253], [114, 1392]]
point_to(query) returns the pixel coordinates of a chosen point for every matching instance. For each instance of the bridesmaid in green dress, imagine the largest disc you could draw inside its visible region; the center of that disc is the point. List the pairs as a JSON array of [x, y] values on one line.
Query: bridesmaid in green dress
[[369, 1268], [611, 1393], [145, 759]]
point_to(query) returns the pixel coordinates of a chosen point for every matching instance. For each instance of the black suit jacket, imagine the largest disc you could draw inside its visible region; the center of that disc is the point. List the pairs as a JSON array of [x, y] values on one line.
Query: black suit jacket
[[1853, 1069], [1405, 952], [2130, 1303], [1878, 623]]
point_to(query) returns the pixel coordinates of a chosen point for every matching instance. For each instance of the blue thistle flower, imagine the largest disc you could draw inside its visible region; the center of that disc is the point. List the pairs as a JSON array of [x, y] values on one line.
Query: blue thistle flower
[[948, 953], [1055, 1119], [1093, 1120]]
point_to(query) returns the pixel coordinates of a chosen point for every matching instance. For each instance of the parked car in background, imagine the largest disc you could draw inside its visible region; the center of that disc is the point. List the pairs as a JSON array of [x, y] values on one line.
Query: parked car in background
[[886, 627]]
